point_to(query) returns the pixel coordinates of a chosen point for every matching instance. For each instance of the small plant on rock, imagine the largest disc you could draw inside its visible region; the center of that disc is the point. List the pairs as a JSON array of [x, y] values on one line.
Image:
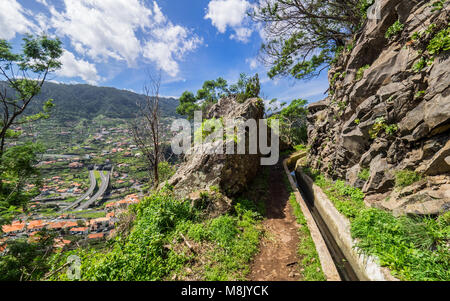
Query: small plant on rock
[[404, 178], [360, 73], [364, 174], [394, 30]]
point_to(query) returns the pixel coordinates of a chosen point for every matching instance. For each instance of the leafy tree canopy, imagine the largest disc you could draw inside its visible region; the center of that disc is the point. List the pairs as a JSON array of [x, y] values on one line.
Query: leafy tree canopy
[[22, 77], [303, 36], [212, 90], [292, 121]]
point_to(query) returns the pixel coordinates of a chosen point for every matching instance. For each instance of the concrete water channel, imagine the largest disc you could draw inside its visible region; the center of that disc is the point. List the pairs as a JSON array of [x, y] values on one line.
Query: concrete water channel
[[340, 257], [342, 264]]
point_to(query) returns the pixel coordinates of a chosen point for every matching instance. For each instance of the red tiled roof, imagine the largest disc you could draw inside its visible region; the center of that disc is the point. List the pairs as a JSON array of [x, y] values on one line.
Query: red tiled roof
[[79, 229], [15, 226], [63, 224], [96, 235], [36, 224]]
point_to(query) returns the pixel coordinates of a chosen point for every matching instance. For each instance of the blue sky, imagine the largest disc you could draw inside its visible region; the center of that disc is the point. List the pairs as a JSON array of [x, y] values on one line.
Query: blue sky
[[116, 42]]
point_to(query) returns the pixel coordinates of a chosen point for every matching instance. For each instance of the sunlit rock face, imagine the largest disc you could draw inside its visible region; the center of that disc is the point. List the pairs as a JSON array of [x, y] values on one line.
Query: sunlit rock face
[[230, 173], [387, 113]]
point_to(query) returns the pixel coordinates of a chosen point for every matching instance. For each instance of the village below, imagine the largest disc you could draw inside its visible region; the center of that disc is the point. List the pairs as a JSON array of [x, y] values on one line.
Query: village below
[[89, 177]]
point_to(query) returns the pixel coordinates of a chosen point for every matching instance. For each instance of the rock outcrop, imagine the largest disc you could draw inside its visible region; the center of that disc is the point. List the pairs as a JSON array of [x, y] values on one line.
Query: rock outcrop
[[389, 110], [229, 173]]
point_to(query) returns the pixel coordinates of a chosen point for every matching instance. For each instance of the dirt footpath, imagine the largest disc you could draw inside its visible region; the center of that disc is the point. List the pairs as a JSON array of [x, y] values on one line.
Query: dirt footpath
[[278, 259]]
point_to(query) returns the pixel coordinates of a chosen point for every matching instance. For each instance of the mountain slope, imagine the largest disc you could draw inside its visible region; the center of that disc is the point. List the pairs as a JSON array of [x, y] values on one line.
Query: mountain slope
[[73, 102]]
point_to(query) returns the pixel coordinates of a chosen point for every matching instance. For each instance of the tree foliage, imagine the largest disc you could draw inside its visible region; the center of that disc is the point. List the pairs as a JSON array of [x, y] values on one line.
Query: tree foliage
[[22, 76], [212, 90], [292, 121], [303, 36]]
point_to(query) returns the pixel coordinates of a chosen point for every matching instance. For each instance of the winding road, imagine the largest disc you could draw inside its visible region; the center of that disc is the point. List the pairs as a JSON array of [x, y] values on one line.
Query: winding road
[[103, 186], [91, 189]]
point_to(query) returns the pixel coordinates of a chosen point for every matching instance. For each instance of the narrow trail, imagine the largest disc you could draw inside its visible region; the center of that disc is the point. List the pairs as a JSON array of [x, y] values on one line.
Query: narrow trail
[[278, 259]]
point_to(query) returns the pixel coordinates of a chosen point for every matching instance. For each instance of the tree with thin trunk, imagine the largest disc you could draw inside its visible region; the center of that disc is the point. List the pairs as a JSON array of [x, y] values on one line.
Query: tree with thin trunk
[[303, 37], [21, 79], [146, 127]]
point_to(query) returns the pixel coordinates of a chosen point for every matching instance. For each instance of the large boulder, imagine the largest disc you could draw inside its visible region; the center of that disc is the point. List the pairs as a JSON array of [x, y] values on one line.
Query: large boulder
[[229, 173]]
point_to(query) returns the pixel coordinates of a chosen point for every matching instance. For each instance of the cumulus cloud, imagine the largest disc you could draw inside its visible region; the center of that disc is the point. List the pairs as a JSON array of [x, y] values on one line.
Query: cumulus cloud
[[73, 67], [105, 31], [168, 44], [14, 19], [230, 13]]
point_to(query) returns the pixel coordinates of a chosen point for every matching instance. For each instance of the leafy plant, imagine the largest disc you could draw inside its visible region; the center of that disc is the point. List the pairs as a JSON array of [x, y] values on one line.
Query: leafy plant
[[419, 94], [440, 42], [379, 125], [360, 72], [420, 64], [438, 5], [394, 29]]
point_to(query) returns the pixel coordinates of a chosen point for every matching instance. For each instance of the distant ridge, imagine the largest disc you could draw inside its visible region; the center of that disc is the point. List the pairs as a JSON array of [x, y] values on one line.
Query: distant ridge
[[75, 101]]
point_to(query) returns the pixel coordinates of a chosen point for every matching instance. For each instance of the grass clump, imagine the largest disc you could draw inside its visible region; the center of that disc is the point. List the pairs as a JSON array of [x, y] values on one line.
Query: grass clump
[[412, 248], [364, 174], [312, 270], [404, 178]]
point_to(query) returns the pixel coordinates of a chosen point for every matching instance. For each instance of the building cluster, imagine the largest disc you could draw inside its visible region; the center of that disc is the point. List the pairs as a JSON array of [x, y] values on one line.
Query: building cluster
[[64, 225]]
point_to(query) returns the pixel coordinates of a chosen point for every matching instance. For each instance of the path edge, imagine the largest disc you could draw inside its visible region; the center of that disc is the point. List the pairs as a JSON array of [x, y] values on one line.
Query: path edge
[[326, 261]]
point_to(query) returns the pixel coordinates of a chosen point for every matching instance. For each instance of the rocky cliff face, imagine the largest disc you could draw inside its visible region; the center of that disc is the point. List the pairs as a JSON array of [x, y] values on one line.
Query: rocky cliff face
[[389, 111], [229, 173]]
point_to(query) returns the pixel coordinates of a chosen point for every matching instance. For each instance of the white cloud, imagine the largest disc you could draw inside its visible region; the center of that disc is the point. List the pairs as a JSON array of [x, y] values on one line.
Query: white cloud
[[106, 29], [230, 13], [122, 30], [14, 19], [252, 62], [168, 44], [73, 67]]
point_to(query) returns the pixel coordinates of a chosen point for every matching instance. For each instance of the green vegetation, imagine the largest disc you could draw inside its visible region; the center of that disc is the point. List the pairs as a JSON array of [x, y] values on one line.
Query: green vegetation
[[305, 39], [420, 64], [440, 42], [419, 94], [81, 104], [347, 200], [292, 122], [213, 90], [360, 72], [312, 270], [394, 29], [27, 261], [40, 56], [154, 249], [414, 248], [379, 125], [438, 5], [406, 177], [364, 174]]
